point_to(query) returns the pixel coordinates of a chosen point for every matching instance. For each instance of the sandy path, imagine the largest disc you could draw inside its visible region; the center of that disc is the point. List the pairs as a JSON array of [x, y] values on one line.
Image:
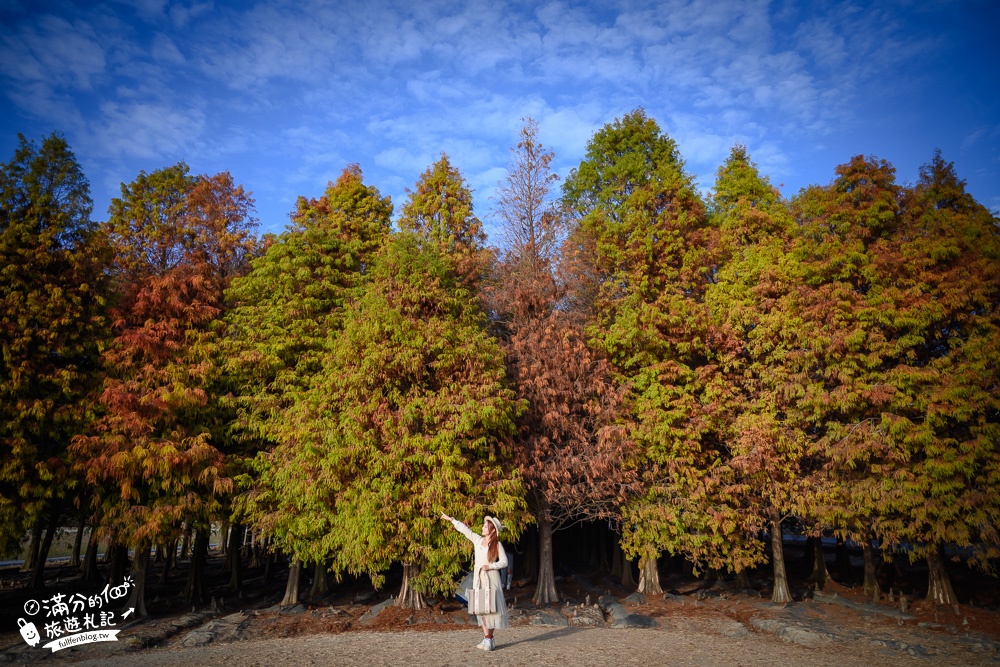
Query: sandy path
[[536, 647]]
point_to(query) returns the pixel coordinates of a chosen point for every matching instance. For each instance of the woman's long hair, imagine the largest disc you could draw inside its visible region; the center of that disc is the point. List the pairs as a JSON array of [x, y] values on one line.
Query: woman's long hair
[[493, 551]]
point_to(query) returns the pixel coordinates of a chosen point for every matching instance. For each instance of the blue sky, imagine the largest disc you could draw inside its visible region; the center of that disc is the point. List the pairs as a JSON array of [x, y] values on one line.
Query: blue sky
[[285, 93]]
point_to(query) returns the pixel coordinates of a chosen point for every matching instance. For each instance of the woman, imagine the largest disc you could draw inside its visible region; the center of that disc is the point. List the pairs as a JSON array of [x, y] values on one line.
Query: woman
[[490, 559]]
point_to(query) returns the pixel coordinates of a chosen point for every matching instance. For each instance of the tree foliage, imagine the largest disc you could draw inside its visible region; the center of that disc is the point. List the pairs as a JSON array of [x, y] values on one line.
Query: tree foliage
[[570, 448], [652, 251], [51, 325], [177, 241], [697, 373], [414, 426], [440, 208], [908, 409], [287, 316]]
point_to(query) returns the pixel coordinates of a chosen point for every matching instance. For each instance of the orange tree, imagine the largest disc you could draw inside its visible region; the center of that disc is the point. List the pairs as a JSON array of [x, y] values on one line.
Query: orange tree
[[910, 414], [152, 451], [571, 452]]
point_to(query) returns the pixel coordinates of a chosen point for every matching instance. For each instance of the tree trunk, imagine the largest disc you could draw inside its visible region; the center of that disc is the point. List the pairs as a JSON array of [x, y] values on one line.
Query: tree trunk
[[531, 557], [649, 574], [269, 561], [172, 554], [939, 590], [292, 587], [90, 572], [743, 580], [140, 568], [409, 597], [235, 559], [74, 560], [185, 543], [628, 577], [118, 563], [545, 590], [169, 559], [845, 572], [781, 593], [194, 590], [616, 560], [819, 574], [224, 538], [321, 582], [254, 551], [38, 576], [871, 586], [31, 557], [808, 557]]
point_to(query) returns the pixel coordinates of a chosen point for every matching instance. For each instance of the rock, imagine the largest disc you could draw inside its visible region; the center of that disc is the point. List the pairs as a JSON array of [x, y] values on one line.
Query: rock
[[869, 608], [688, 587], [583, 621], [733, 629], [636, 598], [293, 609], [198, 638], [369, 616], [586, 617], [546, 617], [621, 618]]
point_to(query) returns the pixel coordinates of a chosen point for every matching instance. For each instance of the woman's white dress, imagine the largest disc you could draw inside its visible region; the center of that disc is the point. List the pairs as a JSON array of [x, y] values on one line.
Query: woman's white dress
[[497, 621]]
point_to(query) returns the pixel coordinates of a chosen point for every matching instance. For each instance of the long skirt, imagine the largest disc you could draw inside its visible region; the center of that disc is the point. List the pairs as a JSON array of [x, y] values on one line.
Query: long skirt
[[497, 621]]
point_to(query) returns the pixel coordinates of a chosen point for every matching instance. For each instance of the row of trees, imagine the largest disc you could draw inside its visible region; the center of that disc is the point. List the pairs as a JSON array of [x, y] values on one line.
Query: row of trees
[[695, 370]]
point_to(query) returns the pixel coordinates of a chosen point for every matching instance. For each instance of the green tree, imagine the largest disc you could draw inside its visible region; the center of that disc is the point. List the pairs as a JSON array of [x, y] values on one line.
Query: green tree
[[440, 208], [288, 314], [755, 480], [51, 324], [413, 416], [652, 248]]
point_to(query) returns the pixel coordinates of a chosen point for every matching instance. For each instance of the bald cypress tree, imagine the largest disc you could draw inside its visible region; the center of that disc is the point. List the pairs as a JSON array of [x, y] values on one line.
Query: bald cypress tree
[[288, 313], [413, 417], [909, 412], [52, 321], [756, 478], [570, 448], [652, 252]]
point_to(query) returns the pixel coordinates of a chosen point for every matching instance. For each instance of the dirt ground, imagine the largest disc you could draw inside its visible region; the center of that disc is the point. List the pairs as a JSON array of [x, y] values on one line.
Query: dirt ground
[[530, 646], [695, 623]]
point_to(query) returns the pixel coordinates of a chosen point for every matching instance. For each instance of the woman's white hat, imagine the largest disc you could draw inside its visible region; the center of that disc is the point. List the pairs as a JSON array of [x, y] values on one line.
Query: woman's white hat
[[496, 523]]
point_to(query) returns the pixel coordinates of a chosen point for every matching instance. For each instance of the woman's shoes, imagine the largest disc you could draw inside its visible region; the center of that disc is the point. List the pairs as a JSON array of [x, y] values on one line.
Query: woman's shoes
[[487, 644]]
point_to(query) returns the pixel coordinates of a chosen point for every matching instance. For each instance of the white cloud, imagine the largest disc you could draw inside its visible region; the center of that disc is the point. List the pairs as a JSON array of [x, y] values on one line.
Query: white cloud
[[156, 132], [299, 88], [181, 15], [53, 51], [164, 50]]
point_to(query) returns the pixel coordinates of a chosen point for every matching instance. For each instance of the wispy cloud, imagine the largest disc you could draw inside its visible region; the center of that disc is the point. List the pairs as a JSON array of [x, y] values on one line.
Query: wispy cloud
[[288, 91]]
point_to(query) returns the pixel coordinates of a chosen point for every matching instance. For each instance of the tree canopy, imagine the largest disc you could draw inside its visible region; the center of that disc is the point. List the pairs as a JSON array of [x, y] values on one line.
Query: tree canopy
[[697, 369]]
